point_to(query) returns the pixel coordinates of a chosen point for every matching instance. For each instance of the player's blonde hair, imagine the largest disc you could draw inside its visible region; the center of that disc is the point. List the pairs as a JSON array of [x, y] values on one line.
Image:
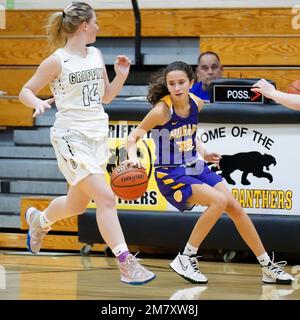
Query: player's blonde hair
[[60, 24]]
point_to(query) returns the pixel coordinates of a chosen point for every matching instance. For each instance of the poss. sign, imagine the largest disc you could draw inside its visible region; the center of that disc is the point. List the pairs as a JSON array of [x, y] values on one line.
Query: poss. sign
[[235, 91]]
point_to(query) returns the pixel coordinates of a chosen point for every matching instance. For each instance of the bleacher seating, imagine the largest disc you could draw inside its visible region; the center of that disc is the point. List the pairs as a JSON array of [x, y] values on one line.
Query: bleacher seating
[[244, 37]]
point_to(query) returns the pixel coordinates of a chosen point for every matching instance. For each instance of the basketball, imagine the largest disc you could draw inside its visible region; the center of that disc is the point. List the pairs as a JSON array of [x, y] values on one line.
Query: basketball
[[294, 87], [128, 183]]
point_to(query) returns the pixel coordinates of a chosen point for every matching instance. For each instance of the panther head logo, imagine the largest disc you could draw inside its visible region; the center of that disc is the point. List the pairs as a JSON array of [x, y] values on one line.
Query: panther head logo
[[268, 160]]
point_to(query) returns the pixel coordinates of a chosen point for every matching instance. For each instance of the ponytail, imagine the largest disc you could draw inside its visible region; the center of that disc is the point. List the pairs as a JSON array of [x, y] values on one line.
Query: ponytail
[[56, 36], [60, 24]]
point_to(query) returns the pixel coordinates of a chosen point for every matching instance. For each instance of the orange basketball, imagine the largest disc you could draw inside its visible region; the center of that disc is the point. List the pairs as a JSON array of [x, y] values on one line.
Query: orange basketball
[[128, 183], [294, 87]]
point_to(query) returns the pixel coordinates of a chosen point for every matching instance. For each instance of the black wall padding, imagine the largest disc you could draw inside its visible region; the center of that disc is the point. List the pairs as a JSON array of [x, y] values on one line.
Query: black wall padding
[[172, 229], [212, 112]]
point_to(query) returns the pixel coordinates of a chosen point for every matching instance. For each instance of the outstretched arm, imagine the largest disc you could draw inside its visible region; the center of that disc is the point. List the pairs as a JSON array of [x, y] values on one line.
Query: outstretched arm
[[289, 100]]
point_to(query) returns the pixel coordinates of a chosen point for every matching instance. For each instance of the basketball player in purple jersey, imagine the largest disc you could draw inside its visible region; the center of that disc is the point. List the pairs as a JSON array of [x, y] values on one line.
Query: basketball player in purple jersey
[[184, 179], [79, 82]]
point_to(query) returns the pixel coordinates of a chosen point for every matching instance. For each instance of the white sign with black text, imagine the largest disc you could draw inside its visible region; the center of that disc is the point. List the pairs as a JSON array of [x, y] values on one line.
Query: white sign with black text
[[259, 164]]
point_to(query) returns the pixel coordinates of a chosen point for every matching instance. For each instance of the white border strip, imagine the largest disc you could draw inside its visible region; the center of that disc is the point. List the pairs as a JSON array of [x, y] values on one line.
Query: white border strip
[[151, 4]]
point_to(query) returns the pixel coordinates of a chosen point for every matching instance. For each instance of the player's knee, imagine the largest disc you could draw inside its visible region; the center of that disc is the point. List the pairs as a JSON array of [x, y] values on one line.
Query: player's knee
[[234, 207], [106, 201], [220, 201], [76, 210]]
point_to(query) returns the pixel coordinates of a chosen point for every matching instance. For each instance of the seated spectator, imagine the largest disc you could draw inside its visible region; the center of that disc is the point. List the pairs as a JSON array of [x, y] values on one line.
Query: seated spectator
[[209, 68]]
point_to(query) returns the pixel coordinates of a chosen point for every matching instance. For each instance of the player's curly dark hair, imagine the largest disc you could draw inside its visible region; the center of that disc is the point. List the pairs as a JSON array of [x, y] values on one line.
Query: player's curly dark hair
[[158, 86]]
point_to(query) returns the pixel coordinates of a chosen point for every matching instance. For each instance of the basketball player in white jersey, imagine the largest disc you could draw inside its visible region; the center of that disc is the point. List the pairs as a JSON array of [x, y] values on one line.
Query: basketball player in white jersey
[[289, 100], [78, 80]]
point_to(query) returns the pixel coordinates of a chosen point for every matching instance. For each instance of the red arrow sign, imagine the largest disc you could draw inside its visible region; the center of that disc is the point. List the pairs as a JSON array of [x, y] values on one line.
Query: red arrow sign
[[257, 95]]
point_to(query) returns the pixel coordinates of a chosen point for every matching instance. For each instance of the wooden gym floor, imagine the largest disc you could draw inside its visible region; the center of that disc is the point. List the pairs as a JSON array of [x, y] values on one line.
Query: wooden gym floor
[[70, 277]]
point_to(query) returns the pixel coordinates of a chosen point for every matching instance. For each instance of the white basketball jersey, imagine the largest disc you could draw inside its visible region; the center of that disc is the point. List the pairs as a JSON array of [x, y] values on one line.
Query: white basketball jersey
[[78, 91]]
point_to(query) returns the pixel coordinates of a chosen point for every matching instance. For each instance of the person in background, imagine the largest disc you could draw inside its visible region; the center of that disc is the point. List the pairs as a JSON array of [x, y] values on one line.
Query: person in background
[[288, 100], [78, 80], [209, 68]]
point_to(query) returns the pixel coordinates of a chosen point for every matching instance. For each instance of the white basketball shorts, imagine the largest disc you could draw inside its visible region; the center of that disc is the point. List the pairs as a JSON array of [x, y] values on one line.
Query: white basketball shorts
[[77, 155]]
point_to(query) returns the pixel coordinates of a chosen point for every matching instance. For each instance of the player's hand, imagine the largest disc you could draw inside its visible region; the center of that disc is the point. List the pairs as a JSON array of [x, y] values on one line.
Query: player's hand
[[136, 162], [214, 158], [42, 105], [122, 66], [264, 87]]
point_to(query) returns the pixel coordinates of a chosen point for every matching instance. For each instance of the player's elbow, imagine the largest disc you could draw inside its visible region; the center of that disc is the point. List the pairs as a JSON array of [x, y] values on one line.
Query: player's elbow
[[24, 93], [21, 94]]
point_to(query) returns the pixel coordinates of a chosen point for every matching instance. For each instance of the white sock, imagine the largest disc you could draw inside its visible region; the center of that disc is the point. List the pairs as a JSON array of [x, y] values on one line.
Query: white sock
[[119, 249], [44, 221], [264, 259], [190, 250]]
